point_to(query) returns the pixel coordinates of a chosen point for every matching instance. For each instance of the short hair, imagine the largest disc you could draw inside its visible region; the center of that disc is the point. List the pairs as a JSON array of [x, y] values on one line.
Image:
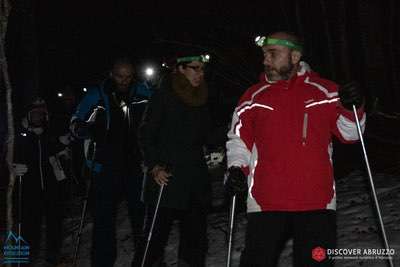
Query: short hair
[[122, 61]]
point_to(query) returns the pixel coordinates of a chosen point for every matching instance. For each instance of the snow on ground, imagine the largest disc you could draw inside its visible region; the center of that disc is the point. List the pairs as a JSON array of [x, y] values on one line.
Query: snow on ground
[[358, 226]]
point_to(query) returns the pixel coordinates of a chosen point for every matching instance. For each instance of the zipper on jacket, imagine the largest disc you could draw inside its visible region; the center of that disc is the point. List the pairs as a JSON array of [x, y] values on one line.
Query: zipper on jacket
[[129, 117], [40, 164], [305, 124]]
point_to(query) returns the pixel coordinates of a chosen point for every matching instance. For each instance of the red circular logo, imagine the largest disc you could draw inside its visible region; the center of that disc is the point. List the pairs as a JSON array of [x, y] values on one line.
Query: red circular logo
[[319, 254]]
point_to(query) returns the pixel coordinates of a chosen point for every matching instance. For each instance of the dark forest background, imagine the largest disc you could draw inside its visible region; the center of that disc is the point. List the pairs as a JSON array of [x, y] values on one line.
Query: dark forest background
[[52, 44]]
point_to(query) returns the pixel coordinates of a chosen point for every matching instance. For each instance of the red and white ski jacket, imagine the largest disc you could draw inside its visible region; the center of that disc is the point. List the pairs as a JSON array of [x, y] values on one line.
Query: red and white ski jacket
[[281, 137]]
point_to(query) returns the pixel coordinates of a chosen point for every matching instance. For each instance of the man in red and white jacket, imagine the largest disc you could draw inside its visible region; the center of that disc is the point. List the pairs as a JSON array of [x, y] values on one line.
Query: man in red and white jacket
[[281, 139]]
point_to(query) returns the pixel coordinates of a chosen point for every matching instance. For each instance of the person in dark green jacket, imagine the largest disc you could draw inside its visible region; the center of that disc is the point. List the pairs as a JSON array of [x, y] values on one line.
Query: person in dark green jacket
[[172, 136]]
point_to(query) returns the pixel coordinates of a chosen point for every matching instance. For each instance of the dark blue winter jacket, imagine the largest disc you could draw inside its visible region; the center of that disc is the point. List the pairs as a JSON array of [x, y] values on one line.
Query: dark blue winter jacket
[[138, 96]]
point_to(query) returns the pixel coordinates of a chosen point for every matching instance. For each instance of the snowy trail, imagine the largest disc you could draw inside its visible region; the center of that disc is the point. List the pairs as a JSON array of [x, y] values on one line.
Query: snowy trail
[[357, 225]]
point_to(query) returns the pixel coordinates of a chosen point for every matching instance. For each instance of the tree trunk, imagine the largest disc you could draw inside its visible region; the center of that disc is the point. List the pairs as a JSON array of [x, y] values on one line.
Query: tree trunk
[[392, 55], [375, 69], [331, 56], [22, 55], [10, 117], [5, 8], [344, 52], [299, 20]]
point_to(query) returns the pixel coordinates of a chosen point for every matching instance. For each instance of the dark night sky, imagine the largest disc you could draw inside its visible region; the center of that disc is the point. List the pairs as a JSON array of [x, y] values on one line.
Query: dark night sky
[[54, 43], [88, 37], [85, 42], [75, 42]]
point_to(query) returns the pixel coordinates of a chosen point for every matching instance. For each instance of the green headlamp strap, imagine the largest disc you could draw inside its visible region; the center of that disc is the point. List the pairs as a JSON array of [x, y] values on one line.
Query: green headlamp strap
[[201, 58], [261, 41]]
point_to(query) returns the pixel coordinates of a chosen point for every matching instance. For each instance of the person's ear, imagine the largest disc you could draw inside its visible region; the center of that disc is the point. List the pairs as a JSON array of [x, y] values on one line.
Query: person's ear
[[295, 57]]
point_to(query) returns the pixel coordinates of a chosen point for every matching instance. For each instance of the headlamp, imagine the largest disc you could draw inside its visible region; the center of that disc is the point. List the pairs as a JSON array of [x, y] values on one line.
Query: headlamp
[[262, 41], [202, 58]]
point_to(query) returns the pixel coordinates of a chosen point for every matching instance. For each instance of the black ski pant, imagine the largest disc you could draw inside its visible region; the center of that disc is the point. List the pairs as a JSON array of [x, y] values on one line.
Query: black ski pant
[[108, 186], [192, 235], [267, 233], [36, 205]]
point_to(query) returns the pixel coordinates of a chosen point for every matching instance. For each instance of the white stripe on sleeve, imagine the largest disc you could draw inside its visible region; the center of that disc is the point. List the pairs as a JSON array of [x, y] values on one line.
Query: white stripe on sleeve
[[348, 128]]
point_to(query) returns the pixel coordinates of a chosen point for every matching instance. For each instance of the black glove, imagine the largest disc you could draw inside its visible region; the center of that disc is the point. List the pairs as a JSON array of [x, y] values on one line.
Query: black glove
[[350, 94], [80, 129], [95, 130], [236, 182]]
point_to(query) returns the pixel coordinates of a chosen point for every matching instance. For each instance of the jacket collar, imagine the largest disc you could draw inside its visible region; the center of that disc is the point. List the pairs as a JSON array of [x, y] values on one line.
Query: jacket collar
[[191, 96]]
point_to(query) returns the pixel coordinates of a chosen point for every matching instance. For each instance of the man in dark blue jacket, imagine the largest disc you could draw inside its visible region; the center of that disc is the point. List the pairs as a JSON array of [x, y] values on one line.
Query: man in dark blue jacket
[[118, 160]]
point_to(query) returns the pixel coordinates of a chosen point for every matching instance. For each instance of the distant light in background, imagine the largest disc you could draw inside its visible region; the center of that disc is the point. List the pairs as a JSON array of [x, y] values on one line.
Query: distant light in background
[[149, 72], [84, 89], [164, 65], [60, 95]]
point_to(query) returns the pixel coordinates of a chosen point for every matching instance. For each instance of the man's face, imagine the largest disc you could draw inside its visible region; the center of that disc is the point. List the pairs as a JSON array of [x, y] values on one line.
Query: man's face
[[37, 118], [278, 62], [122, 76], [194, 72]]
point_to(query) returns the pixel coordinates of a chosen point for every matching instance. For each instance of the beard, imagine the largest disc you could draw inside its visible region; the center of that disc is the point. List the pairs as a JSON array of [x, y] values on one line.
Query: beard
[[282, 73], [122, 88]]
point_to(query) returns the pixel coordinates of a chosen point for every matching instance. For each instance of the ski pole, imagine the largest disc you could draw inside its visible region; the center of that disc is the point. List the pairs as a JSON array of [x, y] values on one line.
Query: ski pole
[[85, 203], [152, 225], [378, 210], [231, 223]]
